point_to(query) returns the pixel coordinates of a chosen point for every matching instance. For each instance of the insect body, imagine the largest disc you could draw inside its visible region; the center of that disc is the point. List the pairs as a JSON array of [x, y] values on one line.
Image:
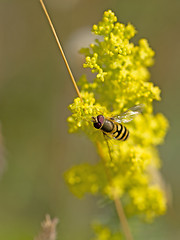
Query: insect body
[[113, 127]]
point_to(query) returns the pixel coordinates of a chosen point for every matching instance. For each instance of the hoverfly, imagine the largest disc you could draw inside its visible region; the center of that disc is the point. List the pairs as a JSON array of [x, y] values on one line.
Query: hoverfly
[[112, 126]]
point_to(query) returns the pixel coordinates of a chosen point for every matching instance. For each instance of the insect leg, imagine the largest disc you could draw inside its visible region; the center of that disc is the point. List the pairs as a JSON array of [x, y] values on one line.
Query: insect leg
[[109, 150]]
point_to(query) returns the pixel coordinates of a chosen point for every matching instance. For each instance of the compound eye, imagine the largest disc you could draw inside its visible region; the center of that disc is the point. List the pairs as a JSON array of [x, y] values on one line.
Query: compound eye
[[100, 119], [97, 125]]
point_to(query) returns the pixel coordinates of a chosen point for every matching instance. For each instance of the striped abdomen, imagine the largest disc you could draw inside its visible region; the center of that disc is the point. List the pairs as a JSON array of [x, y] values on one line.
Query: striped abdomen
[[120, 132]]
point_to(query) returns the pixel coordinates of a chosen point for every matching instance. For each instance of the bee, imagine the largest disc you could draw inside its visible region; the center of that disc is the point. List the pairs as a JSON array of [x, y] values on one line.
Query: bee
[[112, 126]]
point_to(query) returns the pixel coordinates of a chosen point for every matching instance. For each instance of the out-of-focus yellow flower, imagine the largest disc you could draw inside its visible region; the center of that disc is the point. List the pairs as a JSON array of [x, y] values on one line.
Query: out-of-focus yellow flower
[[104, 233]]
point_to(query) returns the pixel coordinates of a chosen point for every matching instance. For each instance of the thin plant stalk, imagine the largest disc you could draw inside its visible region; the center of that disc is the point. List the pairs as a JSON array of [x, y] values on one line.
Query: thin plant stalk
[[60, 48]]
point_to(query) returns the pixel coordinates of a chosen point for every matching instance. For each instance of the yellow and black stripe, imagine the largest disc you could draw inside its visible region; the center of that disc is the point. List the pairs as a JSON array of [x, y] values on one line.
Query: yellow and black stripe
[[120, 132]]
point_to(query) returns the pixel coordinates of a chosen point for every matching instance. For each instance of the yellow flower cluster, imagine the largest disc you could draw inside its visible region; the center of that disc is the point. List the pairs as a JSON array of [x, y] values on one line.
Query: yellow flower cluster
[[103, 232], [148, 201], [122, 81], [82, 112], [122, 74], [86, 178]]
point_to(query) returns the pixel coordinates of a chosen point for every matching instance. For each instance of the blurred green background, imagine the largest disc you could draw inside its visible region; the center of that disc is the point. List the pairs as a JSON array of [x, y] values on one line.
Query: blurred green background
[[35, 90]]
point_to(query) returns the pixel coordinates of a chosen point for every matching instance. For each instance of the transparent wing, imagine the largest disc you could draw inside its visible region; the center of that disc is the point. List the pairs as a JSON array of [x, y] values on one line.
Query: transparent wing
[[129, 114]]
